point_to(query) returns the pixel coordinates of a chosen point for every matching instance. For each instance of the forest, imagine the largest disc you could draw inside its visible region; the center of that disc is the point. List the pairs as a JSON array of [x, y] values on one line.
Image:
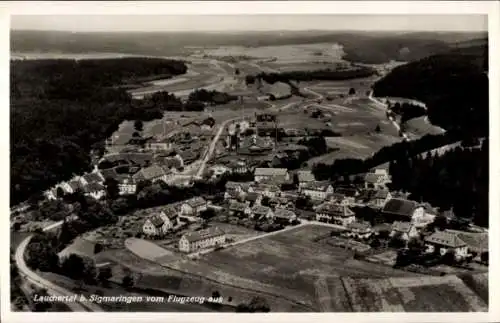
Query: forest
[[324, 75], [454, 87], [60, 109]]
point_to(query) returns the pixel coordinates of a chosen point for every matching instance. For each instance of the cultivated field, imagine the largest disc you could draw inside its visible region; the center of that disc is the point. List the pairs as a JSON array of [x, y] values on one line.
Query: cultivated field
[[425, 294]]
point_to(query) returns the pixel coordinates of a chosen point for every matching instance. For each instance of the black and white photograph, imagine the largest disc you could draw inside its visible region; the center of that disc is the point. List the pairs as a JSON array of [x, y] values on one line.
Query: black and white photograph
[[249, 163]]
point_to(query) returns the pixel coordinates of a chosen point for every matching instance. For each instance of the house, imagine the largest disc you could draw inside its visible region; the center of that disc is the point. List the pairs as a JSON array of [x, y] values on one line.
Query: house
[[281, 202], [239, 209], [235, 190], [335, 213], [275, 174], [446, 242], [317, 190], [268, 190], [377, 179], [95, 190], [403, 230], [350, 192], [218, 170], [71, 186], [238, 167], [127, 185], [340, 199], [158, 145], [262, 212], [398, 209], [284, 215], [359, 230], [91, 178], [380, 198], [196, 240], [253, 198], [189, 156], [152, 173], [161, 223], [193, 206]]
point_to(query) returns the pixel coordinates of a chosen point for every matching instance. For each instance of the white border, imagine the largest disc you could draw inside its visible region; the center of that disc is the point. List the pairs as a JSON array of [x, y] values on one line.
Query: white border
[[287, 7]]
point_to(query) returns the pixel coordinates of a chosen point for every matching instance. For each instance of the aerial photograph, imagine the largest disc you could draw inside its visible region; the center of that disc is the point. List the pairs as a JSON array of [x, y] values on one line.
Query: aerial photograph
[[249, 163]]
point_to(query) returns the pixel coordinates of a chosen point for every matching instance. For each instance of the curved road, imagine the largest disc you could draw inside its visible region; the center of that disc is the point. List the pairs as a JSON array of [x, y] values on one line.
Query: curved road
[[52, 289]]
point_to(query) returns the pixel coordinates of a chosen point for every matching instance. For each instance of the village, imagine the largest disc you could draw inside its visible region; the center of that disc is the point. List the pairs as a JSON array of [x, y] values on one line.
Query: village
[[365, 216]]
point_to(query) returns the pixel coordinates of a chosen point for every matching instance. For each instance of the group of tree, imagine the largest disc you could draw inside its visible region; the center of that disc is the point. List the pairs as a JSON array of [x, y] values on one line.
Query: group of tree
[[453, 85], [323, 75], [61, 108], [407, 111], [458, 178], [212, 97]]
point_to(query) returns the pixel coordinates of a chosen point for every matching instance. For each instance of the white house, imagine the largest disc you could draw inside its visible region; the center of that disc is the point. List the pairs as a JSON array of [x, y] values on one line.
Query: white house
[[196, 240], [276, 175], [335, 213], [158, 145], [94, 190], [317, 190], [194, 206], [268, 190], [161, 223], [262, 212], [359, 230], [127, 186], [403, 230], [446, 242], [239, 209], [377, 179]]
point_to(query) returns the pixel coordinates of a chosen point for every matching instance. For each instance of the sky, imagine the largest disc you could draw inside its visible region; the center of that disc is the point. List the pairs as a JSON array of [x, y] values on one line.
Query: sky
[[116, 23]]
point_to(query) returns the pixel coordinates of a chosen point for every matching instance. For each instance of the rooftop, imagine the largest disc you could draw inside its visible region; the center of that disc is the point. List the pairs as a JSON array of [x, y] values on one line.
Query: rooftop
[[284, 213], [150, 173], [400, 207], [271, 171], [196, 201], [204, 234], [305, 176], [443, 238], [403, 227], [335, 209]]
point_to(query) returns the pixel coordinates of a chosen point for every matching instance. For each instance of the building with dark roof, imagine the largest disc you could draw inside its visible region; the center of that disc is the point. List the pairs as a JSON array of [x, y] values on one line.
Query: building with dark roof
[[444, 242], [194, 206], [335, 213], [162, 222], [402, 210]]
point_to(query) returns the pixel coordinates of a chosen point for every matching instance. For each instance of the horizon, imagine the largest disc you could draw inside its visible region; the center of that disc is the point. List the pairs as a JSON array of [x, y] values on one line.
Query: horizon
[[250, 23]]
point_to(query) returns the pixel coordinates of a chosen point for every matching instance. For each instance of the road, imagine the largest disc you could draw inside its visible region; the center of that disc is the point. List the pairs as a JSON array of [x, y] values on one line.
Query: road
[[52, 289]]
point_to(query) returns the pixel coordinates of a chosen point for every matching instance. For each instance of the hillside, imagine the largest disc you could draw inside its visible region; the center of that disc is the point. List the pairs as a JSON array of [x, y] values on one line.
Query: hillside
[[362, 47], [453, 85]]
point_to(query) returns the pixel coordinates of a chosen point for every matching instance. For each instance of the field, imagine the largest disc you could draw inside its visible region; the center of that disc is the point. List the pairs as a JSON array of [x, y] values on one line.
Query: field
[[426, 294], [80, 247], [290, 54], [419, 127]]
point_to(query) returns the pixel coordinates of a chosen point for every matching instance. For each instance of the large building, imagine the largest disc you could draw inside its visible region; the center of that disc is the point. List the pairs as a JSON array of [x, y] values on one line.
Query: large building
[[197, 240], [194, 206], [335, 213], [317, 190], [276, 175]]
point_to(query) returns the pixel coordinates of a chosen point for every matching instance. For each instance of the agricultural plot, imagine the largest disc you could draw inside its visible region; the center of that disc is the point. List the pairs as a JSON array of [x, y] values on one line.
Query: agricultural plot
[[421, 126], [81, 247], [425, 294]]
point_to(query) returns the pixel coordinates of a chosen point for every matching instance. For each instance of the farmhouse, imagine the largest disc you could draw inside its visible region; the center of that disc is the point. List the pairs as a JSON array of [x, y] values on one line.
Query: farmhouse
[[91, 178], [197, 240], [239, 209], [446, 242], [152, 173], [377, 179], [284, 215], [274, 174], [403, 230], [193, 206], [262, 212], [359, 230], [317, 190], [95, 190], [402, 210], [380, 198], [305, 177], [161, 223], [335, 213]]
